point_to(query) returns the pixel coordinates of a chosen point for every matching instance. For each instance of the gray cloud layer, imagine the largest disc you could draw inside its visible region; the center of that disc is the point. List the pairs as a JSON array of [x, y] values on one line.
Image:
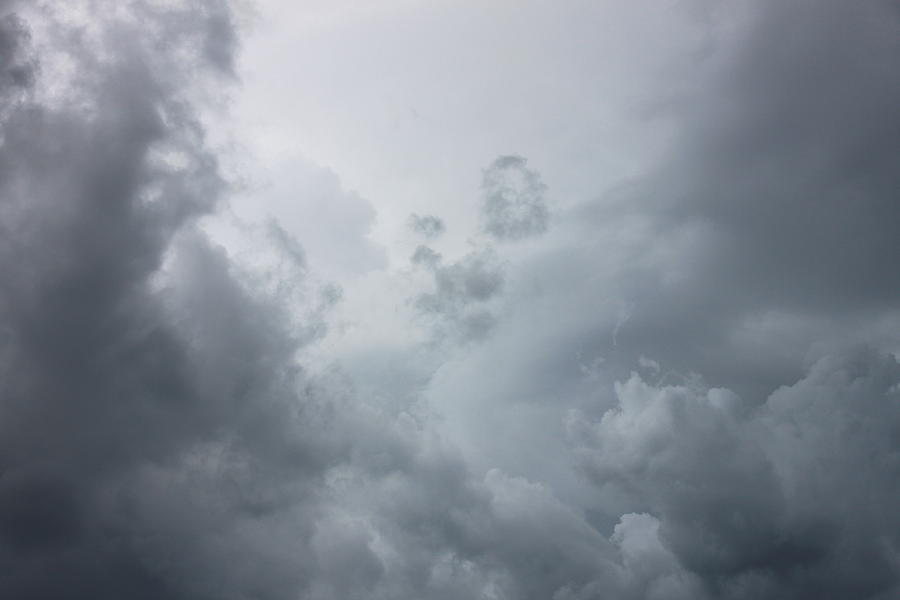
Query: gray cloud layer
[[160, 438]]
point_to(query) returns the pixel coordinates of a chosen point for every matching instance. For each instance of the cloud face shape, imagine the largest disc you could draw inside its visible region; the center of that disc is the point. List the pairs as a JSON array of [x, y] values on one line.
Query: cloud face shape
[[429, 226], [514, 206]]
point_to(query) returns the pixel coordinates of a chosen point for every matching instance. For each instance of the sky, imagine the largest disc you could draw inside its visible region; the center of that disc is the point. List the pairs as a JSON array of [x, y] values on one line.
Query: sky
[[449, 300]]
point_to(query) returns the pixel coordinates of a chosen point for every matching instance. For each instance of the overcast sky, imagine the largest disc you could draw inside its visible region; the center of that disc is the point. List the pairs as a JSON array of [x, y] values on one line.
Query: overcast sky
[[449, 300]]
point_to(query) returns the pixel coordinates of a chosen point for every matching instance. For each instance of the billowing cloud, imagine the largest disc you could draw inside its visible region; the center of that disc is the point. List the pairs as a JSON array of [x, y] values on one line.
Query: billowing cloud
[[191, 408], [783, 500], [149, 400]]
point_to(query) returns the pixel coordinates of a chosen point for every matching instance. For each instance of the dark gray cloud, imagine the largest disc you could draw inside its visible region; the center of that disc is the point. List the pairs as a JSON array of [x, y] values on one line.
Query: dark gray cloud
[[15, 64], [799, 156], [514, 205], [774, 208], [151, 444]]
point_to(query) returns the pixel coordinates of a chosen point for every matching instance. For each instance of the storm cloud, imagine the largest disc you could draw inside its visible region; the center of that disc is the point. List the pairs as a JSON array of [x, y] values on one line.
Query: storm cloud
[[687, 387], [146, 437]]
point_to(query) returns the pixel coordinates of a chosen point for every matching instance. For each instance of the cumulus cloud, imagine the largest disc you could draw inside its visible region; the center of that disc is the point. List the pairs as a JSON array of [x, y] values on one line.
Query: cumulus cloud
[[151, 433], [178, 421], [782, 500], [742, 256]]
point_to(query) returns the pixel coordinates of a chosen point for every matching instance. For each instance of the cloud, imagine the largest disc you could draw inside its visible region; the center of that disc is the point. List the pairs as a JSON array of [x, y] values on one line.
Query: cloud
[[15, 66], [823, 216], [758, 245], [777, 193], [463, 291], [429, 226], [150, 427], [309, 204], [175, 422], [781, 500], [513, 202]]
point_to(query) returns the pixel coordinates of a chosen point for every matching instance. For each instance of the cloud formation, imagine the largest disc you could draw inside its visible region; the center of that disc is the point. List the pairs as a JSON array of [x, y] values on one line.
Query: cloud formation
[[150, 431], [783, 500], [513, 200], [688, 387], [463, 290], [429, 226]]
